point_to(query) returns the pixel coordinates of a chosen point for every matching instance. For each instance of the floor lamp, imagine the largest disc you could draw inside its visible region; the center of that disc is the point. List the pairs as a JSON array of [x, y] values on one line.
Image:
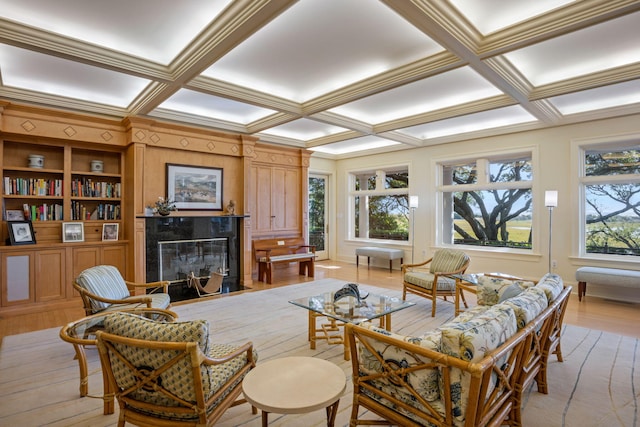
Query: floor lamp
[[413, 204], [550, 201]]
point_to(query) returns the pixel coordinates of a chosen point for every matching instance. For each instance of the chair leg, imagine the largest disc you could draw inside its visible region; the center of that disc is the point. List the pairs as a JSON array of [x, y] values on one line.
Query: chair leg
[[463, 300], [433, 305]]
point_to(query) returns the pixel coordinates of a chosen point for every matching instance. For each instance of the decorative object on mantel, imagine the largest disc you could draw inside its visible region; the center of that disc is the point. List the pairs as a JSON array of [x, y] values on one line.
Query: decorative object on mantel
[[231, 208], [164, 206], [36, 161]]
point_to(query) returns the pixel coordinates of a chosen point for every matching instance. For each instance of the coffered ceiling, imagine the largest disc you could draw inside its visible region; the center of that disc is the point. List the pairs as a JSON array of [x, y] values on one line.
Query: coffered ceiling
[[340, 77]]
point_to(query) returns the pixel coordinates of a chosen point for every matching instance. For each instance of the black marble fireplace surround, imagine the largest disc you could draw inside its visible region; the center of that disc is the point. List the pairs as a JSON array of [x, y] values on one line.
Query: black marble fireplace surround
[[189, 228]]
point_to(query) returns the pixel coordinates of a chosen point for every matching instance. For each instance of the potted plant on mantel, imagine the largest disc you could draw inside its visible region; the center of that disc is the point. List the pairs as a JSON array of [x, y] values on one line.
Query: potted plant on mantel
[[163, 206]]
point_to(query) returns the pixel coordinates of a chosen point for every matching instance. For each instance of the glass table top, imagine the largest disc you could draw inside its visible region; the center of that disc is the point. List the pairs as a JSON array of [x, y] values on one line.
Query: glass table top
[[348, 310]]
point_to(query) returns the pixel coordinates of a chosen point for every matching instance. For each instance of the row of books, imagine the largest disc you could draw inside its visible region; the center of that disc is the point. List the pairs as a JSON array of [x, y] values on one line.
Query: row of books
[[108, 211], [32, 186], [43, 212], [86, 187]]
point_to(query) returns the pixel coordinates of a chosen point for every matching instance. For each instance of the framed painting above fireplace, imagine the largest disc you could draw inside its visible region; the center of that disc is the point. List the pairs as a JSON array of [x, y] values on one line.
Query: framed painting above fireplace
[[194, 187]]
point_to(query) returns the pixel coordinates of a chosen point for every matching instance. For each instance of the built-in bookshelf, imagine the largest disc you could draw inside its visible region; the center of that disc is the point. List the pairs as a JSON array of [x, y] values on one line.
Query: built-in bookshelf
[[47, 182]]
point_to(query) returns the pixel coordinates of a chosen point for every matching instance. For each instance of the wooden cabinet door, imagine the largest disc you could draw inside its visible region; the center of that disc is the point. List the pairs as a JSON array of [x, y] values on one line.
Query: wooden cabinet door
[[50, 275], [276, 203], [85, 257], [17, 278], [115, 255]]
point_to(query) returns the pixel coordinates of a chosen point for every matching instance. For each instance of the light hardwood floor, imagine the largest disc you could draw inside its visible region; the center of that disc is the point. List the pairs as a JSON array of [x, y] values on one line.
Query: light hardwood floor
[[595, 313]]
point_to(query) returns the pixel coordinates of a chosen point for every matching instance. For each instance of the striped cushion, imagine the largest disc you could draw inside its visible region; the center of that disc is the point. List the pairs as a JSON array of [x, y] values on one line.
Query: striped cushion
[[425, 280], [447, 260], [105, 281]]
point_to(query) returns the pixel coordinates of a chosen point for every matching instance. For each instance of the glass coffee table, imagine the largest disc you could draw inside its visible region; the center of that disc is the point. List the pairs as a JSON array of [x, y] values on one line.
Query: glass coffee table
[[346, 310]]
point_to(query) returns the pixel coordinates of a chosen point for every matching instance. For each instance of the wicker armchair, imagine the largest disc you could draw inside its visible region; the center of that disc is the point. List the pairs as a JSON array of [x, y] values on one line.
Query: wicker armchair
[[103, 288], [434, 281], [170, 374]]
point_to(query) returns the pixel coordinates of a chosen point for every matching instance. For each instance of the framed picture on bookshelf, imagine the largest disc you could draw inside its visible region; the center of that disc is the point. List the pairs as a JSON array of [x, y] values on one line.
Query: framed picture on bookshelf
[[110, 232], [72, 232], [194, 187], [14, 215], [21, 233]]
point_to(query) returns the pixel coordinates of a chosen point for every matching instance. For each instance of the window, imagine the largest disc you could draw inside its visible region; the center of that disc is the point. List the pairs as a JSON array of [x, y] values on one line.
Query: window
[[380, 201], [487, 202], [610, 188]]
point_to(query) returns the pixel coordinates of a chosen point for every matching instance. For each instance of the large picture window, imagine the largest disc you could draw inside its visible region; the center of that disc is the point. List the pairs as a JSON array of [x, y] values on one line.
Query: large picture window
[[380, 201], [610, 187], [487, 202]]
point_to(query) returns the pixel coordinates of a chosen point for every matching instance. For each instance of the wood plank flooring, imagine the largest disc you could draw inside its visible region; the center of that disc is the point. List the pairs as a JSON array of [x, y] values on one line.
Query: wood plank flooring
[[595, 313]]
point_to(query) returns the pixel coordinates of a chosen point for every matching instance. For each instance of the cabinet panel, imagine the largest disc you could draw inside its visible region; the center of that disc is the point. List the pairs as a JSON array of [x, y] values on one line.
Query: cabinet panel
[[116, 256], [276, 207], [50, 275], [17, 275], [85, 257]]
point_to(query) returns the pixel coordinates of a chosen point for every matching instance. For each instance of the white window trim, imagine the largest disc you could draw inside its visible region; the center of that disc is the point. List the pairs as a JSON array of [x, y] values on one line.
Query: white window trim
[[579, 179], [538, 212]]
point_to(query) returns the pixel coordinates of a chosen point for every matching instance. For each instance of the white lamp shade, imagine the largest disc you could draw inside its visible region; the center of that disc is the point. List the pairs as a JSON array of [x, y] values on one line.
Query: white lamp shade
[[413, 201], [551, 198]]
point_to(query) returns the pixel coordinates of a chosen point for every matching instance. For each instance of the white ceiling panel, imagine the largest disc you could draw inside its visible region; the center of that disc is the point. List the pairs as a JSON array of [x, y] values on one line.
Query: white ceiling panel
[[199, 104], [304, 130], [340, 77], [608, 45], [600, 98], [316, 47], [33, 71], [444, 90], [491, 119], [157, 30]]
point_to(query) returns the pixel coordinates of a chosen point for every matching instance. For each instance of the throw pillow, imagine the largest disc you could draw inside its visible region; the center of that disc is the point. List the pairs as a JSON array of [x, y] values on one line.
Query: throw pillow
[[493, 290]]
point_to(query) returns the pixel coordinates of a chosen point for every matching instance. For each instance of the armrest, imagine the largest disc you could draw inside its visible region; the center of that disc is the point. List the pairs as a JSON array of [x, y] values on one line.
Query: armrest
[[133, 299], [405, 267], [245, 348], [164, 284]]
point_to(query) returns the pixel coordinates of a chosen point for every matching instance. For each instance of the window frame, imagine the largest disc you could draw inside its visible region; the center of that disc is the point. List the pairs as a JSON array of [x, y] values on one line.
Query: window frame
[[579, 149], [485, 158], [353, 193]]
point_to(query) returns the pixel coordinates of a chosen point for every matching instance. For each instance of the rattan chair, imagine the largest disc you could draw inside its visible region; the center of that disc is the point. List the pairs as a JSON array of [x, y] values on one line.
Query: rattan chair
[[103, 288], [435, 281], [170, 375]]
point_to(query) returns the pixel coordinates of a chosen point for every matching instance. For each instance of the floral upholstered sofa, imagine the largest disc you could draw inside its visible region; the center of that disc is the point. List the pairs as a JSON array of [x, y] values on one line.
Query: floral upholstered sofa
[[470, 371]]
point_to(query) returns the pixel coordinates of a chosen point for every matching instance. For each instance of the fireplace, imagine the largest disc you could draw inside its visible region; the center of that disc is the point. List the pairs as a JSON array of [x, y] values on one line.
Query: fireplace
[[179, 245]]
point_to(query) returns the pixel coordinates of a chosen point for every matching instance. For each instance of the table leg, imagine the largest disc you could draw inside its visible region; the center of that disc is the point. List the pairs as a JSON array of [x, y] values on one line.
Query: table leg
[[265, 421], [345, 339], [82, 363], [312, 330], [332, 410], [357, 260], [457, 302], [387, 322], [390, 266]]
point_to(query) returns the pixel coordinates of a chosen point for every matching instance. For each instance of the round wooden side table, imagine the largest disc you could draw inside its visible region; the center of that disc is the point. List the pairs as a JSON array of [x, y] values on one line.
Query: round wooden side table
[[295, 385]]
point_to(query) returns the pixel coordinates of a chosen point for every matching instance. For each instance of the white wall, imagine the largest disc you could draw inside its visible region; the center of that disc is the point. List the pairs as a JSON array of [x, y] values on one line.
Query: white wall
[[556, 171]]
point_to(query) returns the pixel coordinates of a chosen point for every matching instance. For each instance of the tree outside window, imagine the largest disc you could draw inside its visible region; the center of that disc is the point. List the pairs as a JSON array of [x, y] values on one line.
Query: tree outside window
[[611, 191], [487, 202], [381, 204]]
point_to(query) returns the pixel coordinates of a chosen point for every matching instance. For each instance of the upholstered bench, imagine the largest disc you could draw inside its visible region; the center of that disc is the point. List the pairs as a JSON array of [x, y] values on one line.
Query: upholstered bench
[[606, 276], [373, 252]]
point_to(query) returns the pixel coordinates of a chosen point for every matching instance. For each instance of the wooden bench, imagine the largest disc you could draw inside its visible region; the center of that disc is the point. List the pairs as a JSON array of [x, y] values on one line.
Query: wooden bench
[[374, 252], [606, 276], [273, 251]]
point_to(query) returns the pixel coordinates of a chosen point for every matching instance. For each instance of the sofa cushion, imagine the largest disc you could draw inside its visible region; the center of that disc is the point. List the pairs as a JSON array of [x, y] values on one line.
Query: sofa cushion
[[493, 290], [105, 281], [527, 305], [552, 286], [470, 341], [424, 381]]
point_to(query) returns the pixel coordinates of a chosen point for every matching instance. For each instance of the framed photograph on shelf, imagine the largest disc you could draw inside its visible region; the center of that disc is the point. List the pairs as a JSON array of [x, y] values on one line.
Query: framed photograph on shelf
[[72, 232], [21, 233], [194, 187], [110, 232], [14, 215]]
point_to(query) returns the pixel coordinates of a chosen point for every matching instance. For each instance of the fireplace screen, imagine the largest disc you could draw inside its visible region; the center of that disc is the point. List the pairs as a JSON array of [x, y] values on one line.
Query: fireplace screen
[[179, 258]]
